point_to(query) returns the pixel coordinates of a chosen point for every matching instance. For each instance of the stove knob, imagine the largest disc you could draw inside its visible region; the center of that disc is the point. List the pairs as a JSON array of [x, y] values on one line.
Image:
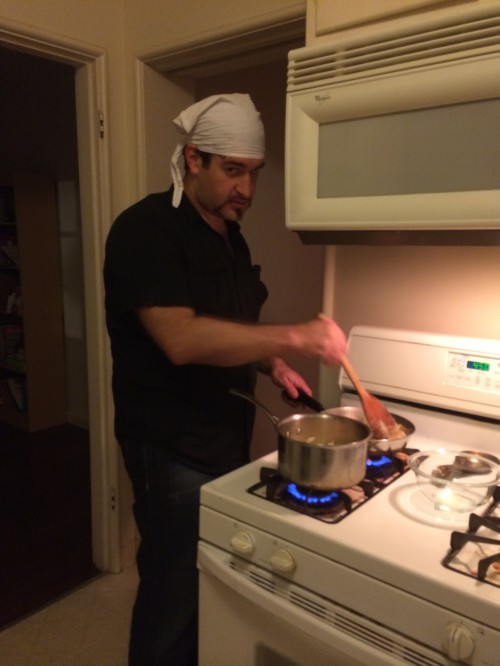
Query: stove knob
[[458, 641], [242, 542], [283, 561]]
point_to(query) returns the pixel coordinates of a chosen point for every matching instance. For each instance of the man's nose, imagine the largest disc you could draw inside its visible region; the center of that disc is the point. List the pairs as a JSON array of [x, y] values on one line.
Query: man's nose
[[246, 185]]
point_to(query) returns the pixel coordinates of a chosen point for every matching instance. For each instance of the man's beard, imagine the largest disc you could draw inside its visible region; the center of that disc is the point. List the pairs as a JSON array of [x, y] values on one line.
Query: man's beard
[[237, 210]]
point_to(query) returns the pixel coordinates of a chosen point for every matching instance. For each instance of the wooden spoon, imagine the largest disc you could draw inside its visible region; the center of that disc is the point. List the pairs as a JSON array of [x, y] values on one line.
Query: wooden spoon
[[378, 418]]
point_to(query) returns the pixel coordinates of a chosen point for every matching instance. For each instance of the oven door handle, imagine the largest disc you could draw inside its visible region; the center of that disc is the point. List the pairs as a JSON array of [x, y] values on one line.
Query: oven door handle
[[216, 562]]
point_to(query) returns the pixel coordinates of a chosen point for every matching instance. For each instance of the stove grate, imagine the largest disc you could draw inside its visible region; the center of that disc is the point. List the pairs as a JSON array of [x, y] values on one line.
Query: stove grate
[[476, 552]]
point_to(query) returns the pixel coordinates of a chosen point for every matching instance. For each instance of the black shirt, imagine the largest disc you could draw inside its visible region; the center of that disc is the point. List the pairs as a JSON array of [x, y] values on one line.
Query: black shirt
[[163, 256]]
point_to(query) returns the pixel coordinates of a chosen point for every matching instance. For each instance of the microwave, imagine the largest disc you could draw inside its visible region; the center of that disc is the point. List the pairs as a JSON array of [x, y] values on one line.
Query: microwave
[[395, 138]]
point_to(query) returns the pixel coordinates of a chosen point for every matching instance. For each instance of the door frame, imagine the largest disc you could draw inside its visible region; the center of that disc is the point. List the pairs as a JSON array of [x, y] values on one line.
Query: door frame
[[96, 213]]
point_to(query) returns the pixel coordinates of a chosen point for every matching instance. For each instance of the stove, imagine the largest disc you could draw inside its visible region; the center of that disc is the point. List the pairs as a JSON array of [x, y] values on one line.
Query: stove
[[380, 576]]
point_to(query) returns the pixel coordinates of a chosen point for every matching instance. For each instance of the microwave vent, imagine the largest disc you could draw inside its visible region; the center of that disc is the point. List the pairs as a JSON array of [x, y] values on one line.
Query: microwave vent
[[470, 36]]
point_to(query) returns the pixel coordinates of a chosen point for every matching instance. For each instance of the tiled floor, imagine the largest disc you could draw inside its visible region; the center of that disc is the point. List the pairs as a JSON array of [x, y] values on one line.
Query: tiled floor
[[86, 628]]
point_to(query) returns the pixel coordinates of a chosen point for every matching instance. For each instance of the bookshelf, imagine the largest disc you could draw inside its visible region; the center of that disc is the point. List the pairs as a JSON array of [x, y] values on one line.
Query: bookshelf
[[32, 362]]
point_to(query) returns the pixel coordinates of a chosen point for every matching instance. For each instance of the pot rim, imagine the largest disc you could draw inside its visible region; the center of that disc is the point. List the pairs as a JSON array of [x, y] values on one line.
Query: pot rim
[[323, 445]]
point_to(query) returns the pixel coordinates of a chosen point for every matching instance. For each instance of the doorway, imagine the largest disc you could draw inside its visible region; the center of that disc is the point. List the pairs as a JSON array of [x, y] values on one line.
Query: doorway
[[46, 532], [90, 81]]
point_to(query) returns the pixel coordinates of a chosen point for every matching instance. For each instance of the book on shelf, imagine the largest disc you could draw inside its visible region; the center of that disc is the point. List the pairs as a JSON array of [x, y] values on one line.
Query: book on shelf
[[12, 347], [11, 250], [14, 302], [17, 389], [13, 394]]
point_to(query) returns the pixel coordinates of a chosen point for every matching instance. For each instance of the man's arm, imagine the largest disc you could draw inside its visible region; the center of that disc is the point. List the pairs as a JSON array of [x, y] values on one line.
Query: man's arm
[[186, 338]]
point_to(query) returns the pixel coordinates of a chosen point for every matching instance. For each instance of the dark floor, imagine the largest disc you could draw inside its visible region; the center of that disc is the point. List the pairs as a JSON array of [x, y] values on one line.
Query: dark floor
[[45, 520]]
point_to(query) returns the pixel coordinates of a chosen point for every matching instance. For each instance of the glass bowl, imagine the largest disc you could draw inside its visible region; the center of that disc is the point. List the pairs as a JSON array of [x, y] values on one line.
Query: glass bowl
[[457, 481]]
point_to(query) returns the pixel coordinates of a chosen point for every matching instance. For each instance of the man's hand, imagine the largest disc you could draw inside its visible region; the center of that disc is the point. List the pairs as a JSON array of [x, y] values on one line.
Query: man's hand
[[286, 378]]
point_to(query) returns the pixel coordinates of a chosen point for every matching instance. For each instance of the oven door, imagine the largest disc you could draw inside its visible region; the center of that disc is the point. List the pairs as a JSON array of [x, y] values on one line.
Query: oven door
[[250, 617]]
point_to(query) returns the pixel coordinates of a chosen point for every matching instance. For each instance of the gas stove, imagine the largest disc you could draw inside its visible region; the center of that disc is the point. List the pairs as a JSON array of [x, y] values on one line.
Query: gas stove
[[332, 507], [386, 578]]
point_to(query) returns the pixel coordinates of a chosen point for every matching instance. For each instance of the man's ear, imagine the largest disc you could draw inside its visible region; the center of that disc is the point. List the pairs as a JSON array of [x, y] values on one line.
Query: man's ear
[[192, 158]]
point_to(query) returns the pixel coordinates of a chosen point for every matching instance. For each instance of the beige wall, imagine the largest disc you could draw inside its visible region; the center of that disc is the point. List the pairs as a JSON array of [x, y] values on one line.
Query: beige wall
[[152, 25], [91, 21], [439, 289], [163, 99]]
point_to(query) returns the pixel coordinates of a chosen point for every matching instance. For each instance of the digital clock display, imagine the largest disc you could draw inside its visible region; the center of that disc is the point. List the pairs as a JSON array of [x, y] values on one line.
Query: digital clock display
[[478, 365]]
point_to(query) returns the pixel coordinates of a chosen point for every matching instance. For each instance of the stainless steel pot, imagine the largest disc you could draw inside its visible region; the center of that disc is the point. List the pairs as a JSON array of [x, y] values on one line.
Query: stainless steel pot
[[319, 451]]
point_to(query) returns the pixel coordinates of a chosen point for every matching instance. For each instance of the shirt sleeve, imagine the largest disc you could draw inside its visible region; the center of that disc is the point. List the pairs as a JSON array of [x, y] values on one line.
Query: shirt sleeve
[[144, 262]]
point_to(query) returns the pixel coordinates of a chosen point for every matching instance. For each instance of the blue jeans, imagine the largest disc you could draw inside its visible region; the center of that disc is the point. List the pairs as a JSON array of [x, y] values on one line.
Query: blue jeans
[[164, 627]]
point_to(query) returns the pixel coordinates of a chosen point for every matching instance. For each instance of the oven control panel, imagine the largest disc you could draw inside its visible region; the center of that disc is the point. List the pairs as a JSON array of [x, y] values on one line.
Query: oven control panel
[[475, 372], [444, 371]]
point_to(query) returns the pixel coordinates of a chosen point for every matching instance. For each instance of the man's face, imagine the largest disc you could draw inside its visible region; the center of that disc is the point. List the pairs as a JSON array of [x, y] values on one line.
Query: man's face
[[226, 187]]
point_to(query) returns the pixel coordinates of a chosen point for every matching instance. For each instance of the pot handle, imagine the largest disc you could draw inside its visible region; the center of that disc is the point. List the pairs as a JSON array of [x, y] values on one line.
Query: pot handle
[[309, 401], [247, 396]]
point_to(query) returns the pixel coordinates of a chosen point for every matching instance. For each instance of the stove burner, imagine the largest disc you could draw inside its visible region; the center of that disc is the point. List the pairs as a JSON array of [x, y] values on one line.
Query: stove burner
[[330, 507], [386, 466]]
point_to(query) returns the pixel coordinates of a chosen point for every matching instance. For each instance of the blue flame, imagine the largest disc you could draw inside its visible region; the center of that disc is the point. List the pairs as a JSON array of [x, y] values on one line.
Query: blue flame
[[379, 462], [311, 499]]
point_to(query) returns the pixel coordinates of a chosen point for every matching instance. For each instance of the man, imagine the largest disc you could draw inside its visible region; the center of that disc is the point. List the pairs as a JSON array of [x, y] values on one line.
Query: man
[[182, 302]]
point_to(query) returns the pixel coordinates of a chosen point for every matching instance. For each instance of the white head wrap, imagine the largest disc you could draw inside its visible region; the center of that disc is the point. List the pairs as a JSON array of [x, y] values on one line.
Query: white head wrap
[[221, 124]]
